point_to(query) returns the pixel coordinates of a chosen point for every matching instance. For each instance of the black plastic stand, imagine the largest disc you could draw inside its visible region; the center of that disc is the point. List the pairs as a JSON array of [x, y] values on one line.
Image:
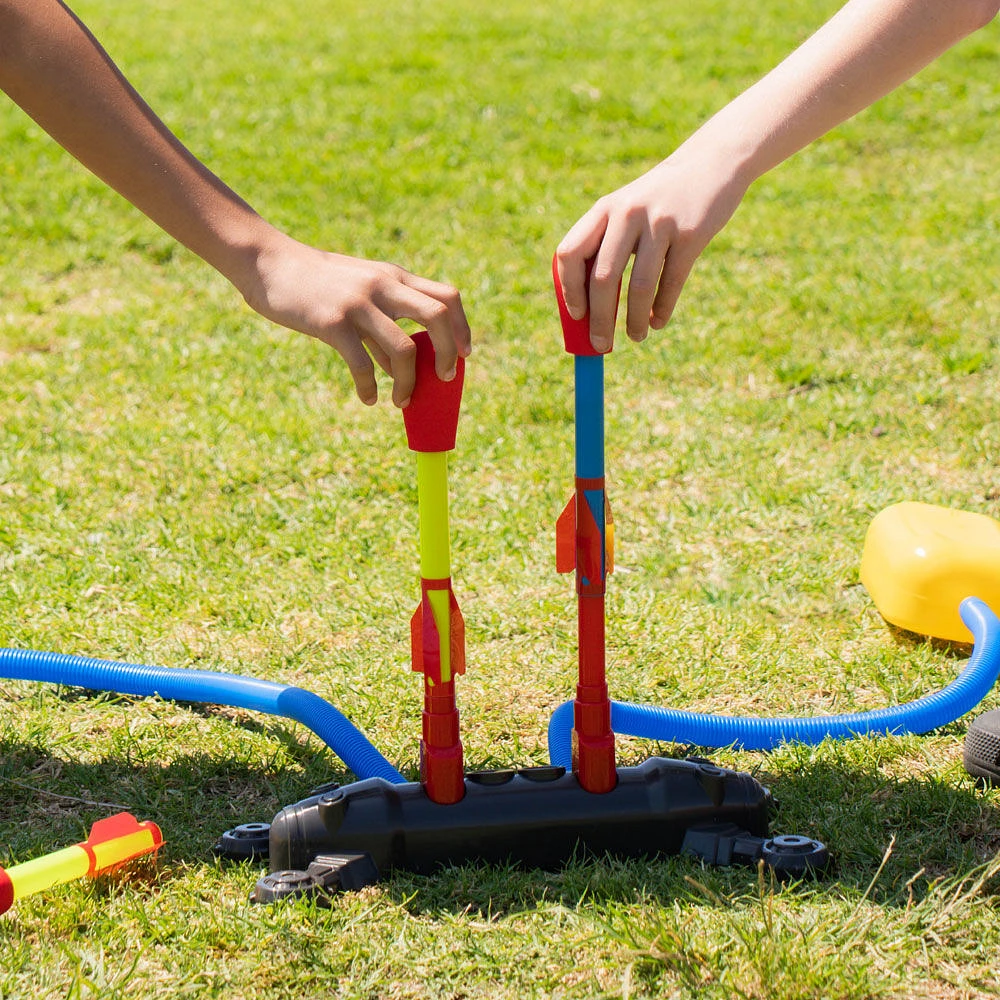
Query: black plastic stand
[[346, 837]]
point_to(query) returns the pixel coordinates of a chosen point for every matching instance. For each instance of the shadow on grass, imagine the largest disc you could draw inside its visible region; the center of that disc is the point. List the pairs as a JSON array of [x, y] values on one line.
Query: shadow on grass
[[935, 829], [49, 801], [931, 831]]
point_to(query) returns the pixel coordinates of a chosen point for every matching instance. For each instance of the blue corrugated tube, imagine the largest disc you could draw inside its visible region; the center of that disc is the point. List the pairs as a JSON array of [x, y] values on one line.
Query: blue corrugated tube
[[174, 684], [698, 729]]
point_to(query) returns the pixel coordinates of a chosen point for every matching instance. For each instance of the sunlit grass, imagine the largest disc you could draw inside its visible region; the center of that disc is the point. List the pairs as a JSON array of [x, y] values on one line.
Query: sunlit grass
[[182, 484]]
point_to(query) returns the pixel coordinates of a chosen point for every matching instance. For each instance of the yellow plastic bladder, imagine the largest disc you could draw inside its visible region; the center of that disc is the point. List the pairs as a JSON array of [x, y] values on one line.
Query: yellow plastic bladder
[[920, 561]]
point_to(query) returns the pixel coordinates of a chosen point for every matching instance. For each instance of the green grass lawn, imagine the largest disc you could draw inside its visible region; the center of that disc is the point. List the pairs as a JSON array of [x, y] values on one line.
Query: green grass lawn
[[184, 485]]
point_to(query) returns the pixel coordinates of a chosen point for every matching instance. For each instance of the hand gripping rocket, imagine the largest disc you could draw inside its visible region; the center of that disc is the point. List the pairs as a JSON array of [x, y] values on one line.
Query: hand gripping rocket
[[437, 630], [585, 542], [112, 842]]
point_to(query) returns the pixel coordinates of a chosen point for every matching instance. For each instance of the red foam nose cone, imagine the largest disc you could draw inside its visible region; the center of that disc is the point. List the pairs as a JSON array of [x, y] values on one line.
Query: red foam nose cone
[[576, 332], [431, 417]]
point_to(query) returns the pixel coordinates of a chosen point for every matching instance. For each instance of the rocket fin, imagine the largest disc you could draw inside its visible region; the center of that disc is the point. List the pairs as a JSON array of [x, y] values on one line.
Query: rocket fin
[[566, 538]]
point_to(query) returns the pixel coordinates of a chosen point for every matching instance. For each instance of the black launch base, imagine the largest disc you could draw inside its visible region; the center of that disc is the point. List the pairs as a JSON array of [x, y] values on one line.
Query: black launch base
[[343, 838]]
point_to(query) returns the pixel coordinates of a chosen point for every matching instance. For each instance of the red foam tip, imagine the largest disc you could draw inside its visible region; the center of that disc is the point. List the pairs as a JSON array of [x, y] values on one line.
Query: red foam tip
[[6, 892], [576, 332], [431, 417]]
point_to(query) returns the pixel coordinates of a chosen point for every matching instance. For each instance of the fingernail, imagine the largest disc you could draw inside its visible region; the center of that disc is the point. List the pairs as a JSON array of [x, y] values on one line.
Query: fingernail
[[450, 374], [405, 403], [601, 345]]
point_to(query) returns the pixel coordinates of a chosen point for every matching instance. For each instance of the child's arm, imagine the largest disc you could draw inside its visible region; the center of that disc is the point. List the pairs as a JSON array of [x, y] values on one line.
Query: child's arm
[[667, 216], [58, 73]]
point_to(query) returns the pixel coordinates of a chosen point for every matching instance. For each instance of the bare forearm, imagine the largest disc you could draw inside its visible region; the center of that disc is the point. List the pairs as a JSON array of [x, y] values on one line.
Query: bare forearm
[[59, 74], [53, 67], [866, 50], [666, 217]]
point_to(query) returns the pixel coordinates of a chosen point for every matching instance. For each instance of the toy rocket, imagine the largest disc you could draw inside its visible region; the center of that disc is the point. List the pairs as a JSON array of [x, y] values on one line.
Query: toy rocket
[[437, 630], [112, 842], [585, 542]]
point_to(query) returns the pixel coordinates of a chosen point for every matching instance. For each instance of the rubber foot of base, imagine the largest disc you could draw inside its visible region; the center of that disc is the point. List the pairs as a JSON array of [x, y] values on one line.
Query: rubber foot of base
[[981, 755]]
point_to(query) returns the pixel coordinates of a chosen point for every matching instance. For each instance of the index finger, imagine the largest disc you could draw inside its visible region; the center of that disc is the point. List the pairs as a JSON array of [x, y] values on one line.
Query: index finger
[[432, 314], [452, 300], [397, 348], [572, 254], [605, 285]]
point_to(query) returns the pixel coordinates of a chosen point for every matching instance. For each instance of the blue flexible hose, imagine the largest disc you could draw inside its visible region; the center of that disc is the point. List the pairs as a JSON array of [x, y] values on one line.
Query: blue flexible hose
[[203, 686], [929, 712], [647, 722]]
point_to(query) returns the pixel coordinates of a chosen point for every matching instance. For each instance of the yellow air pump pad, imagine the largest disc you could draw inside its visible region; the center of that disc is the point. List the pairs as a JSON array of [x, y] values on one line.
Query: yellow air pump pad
[[920, 561]]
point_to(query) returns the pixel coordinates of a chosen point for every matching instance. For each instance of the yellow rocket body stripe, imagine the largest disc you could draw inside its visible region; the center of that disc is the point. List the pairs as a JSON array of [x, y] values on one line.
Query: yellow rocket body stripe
[[441, 610], [432, 497], [435, 553], [52, 869], [109, 853]]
